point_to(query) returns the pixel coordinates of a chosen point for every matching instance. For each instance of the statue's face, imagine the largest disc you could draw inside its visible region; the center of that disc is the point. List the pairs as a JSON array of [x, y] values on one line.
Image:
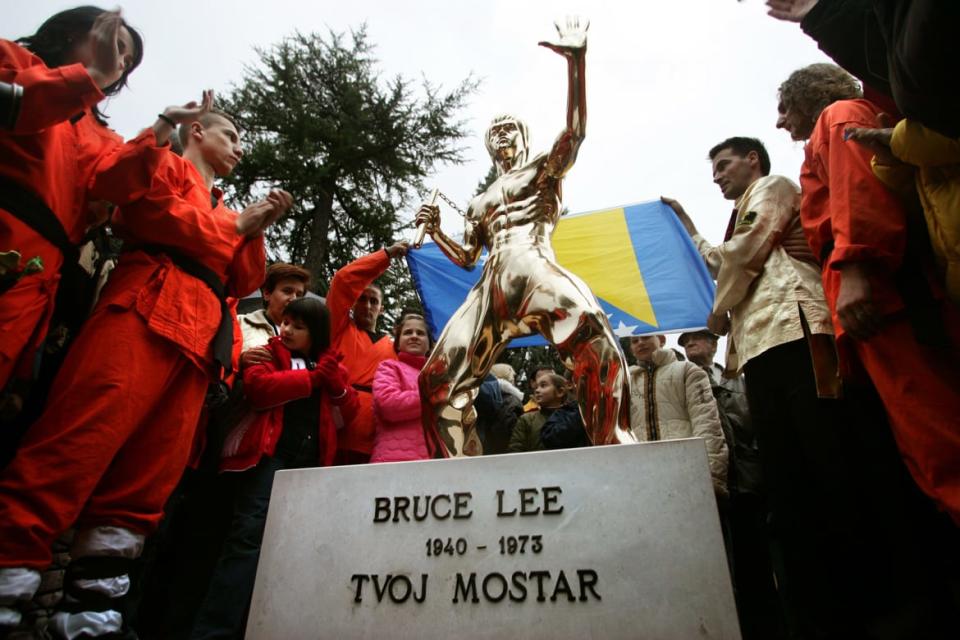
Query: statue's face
[[504, 139]]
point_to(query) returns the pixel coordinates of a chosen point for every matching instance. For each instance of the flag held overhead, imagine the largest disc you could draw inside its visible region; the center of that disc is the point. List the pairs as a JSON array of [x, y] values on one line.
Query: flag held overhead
[[637, 260]]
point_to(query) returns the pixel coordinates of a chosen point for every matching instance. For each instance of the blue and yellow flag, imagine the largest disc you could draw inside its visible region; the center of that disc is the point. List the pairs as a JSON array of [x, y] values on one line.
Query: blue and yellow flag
[[638, 260]]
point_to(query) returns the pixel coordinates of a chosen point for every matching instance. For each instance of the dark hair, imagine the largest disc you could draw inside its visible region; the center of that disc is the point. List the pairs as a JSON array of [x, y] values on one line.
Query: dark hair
[[282, 271], [742, 147], [183, 131], [398, 328], [313, 313], [532, 373], [57, 37]]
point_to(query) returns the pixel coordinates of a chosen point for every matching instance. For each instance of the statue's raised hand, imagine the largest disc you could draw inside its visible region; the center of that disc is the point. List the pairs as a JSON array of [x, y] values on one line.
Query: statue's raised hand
[[573, 36]]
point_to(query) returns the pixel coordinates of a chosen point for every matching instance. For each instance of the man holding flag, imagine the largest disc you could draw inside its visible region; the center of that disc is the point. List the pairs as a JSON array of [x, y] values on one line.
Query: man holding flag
[[770, 299]]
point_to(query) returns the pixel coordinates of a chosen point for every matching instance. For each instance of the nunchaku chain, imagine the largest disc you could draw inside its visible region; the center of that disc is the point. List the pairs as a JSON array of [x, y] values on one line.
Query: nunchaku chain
[[421, 229], [431, 198], [453, 205]]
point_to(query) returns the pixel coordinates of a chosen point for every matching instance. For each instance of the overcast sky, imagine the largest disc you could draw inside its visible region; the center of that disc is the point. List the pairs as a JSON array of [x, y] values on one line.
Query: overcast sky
[[665, 79]]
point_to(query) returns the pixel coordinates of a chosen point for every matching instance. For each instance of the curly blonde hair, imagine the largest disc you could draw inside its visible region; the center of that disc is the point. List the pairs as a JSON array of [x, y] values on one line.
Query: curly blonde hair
[[810, 90]]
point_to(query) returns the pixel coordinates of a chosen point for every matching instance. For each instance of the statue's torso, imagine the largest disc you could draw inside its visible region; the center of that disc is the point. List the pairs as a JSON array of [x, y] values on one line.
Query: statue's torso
[[520, 207]]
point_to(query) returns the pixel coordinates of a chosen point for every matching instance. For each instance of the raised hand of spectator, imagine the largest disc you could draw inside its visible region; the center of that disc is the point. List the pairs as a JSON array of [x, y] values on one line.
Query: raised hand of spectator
[[108, 64], [397, 250], [256, 355], [260, 215], [681, 214], [790, 10], [281, 201], [251, 220], [191, 111], [182, 115]]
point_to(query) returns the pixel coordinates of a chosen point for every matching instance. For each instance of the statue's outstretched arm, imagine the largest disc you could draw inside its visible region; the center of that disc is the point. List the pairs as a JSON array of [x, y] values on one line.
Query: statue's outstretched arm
[[572, 46]]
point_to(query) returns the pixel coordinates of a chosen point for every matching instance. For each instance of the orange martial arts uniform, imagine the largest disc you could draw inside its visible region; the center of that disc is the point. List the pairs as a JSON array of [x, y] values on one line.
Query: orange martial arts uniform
[[849, 216], [117, 431], [362, 351], [54, 149]]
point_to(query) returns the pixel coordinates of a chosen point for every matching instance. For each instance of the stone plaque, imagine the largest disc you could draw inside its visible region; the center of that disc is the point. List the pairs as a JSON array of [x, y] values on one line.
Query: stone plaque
[[605, 542]]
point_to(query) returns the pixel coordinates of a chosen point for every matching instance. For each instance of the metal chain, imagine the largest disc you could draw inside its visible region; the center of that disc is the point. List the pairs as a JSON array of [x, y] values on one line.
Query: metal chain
[[453, 205]]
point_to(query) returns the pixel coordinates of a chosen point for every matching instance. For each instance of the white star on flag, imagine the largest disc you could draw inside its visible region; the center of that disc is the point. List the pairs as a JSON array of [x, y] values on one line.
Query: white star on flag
[[624, 331]]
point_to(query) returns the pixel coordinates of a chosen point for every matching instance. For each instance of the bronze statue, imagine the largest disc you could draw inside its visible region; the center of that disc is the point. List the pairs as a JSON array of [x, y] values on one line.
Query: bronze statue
[[522, 289]]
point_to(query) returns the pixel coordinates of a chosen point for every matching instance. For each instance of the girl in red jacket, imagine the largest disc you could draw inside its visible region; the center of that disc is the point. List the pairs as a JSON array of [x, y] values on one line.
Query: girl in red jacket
[[301, 398]]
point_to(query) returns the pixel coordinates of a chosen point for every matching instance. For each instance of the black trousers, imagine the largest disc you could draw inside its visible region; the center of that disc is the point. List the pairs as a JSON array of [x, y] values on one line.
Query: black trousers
[[224, 610], [802, 443], [862, 552]]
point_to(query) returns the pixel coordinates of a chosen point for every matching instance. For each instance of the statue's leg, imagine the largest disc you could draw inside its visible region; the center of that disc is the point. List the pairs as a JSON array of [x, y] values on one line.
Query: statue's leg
[[603, 382], [564, 310], [467, 348]]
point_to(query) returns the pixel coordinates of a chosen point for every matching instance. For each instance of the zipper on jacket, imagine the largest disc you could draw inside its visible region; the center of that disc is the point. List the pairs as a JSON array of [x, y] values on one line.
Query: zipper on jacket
[[653, 426]]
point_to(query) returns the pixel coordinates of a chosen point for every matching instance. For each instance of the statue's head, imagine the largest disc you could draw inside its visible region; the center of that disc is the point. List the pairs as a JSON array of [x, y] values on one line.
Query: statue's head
[[508, 137]]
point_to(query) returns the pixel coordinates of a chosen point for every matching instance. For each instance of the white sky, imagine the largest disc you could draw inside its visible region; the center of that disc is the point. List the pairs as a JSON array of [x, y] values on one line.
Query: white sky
[[666, 79]]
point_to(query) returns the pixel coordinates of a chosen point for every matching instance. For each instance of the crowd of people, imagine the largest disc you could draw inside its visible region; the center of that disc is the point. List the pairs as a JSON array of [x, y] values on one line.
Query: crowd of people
[[831, 429]]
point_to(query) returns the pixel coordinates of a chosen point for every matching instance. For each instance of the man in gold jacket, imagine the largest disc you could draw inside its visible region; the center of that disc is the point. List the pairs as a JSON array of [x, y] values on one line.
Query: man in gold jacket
[[771, 305]]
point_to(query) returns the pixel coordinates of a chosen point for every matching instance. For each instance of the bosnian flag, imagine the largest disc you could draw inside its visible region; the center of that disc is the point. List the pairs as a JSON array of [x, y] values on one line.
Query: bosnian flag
[[638, 260]]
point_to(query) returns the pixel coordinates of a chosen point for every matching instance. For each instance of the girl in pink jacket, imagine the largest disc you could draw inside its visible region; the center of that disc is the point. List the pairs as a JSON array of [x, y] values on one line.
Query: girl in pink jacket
[[396, 395]]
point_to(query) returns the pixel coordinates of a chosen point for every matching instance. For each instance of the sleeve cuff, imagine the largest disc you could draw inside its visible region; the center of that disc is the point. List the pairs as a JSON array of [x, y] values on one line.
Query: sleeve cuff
[[861, 253], [77, 78], [148, 138]]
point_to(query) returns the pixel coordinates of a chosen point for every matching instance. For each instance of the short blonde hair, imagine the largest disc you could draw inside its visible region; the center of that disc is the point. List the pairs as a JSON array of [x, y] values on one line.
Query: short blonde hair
[[183, 131]]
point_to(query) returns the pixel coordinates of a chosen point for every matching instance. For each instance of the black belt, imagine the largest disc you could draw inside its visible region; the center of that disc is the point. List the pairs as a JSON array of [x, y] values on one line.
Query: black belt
[[363, 387], [30, 209], [223, 340]]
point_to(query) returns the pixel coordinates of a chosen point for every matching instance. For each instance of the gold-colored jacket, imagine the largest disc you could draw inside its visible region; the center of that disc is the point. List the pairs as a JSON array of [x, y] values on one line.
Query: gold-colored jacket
[[762, 287]]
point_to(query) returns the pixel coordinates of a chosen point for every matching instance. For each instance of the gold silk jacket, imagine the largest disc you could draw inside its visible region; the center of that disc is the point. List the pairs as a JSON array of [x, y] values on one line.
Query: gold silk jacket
[[764, 289]]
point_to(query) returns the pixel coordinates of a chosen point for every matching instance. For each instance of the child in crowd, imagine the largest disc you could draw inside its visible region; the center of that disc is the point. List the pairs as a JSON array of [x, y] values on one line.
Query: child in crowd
[[549, 391], [564, 427], [396, 395], [302, 398]]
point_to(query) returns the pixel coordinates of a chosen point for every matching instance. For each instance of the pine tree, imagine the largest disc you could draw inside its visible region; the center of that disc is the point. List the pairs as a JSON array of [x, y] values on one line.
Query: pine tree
[[352, 147]]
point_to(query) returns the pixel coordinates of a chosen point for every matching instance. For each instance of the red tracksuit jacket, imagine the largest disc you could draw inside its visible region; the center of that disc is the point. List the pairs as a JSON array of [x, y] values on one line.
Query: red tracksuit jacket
[[361, 355], [55, 148]]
